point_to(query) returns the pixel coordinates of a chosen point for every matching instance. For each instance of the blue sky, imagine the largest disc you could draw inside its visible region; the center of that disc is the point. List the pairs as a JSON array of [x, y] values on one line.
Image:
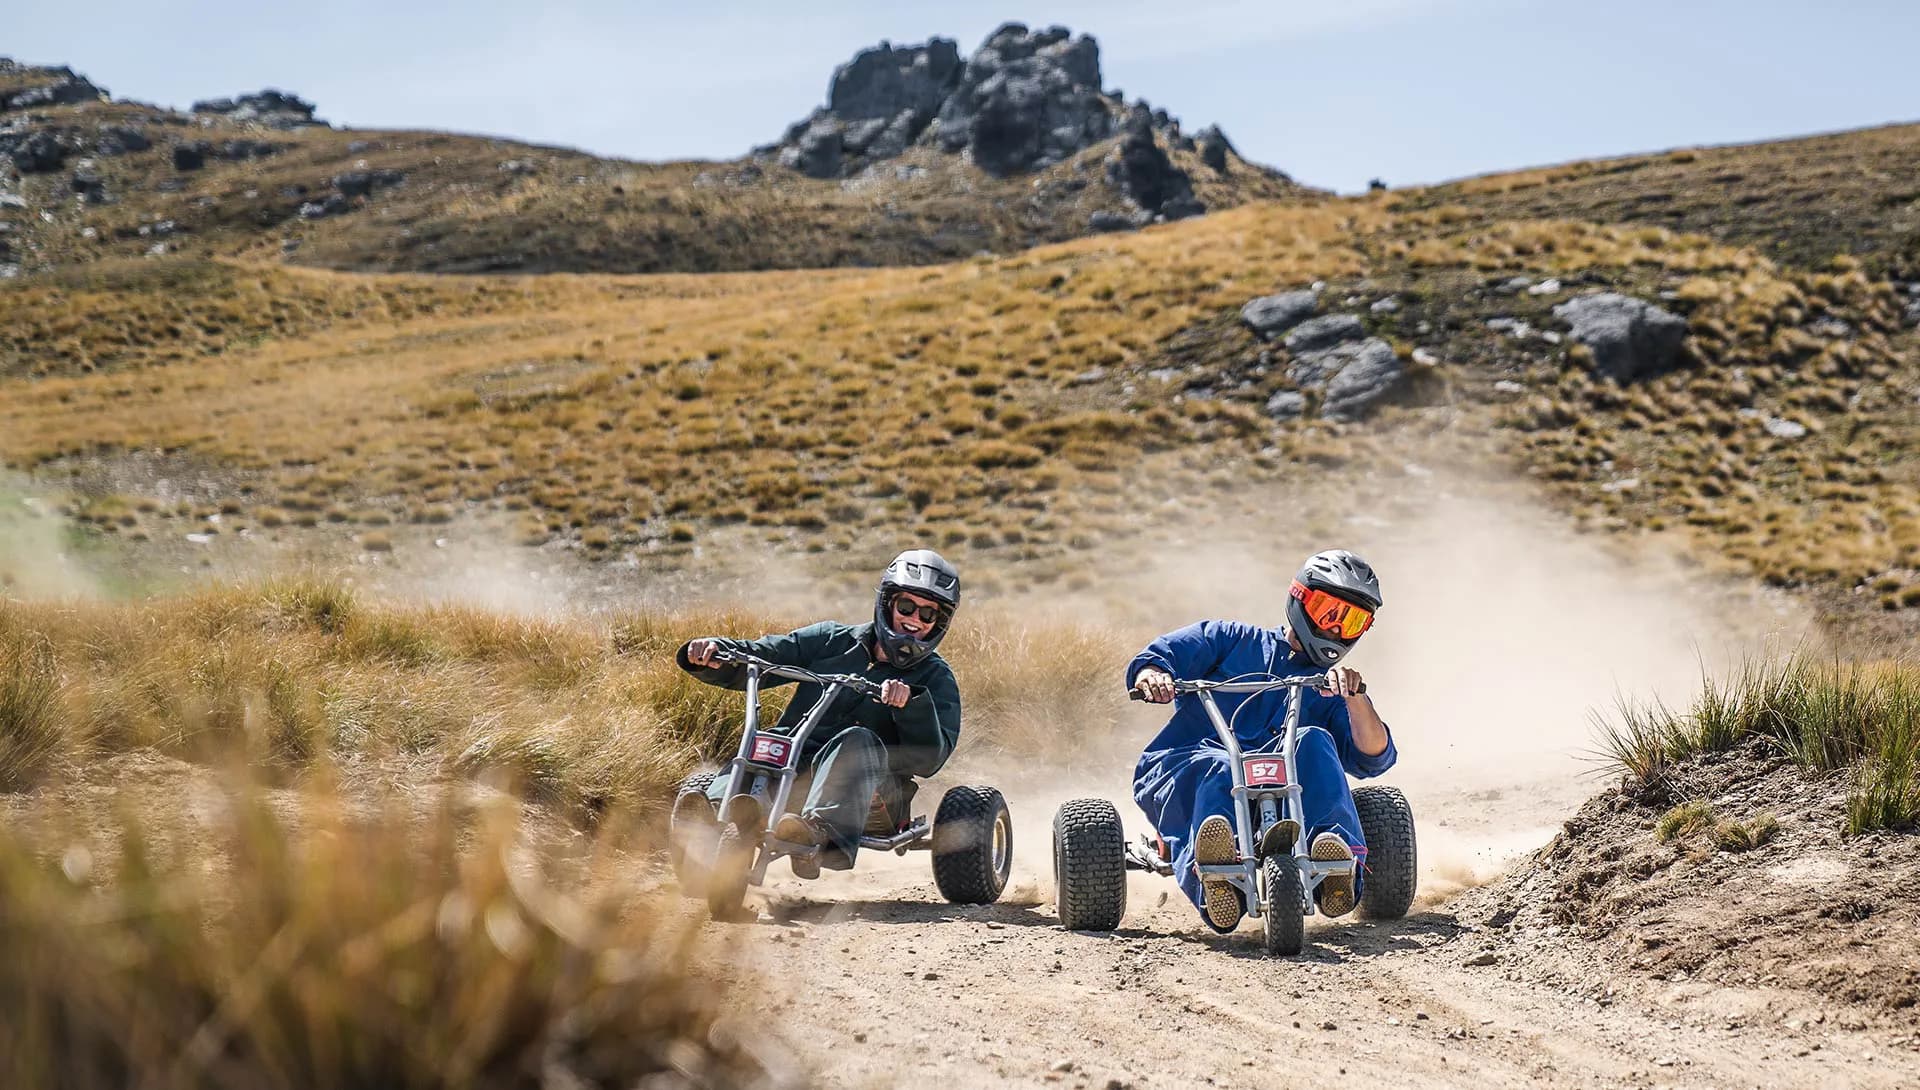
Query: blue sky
[[1334, 92]]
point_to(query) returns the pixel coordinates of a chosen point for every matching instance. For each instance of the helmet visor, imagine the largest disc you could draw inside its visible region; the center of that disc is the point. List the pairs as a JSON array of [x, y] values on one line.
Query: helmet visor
[[1336, 618]]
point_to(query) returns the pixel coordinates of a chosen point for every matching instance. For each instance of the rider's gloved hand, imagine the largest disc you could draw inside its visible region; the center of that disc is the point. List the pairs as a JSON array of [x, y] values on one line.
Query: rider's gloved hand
[[1344, 681], [1154, 685], [700, 652], [894, 693]]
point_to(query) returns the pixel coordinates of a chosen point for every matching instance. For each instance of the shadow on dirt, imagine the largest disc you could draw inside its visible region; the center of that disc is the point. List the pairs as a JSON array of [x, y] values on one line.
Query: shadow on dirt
[[800, 910], [1346, 941]]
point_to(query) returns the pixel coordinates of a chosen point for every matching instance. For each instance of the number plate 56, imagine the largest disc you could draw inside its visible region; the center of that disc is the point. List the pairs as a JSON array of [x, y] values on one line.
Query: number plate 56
[[770, 751]]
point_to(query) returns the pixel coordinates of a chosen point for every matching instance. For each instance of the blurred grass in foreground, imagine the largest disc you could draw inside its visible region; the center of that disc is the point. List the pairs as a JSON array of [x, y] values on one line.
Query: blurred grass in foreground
[[250, 950], [1859, 718], [291, 675]]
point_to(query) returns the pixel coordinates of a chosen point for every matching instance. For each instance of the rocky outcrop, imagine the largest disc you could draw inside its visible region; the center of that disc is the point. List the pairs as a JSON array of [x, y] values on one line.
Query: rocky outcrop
[[1022, 102], [274, 109], [34, 152], [1626, 337], [1026, 100], [1142, 172], [48, 87]]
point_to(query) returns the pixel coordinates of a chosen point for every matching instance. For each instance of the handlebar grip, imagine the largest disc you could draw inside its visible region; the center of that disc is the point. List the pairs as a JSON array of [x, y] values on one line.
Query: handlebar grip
[[1135, 694]]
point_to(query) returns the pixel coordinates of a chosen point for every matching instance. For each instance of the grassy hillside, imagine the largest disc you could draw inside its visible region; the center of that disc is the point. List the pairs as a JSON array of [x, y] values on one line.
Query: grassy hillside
[[1798, 202], [439, 202]]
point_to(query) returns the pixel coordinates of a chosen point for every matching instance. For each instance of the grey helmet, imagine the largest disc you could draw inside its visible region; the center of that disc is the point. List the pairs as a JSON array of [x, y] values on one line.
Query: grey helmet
[[1346, 577], [927, 574]]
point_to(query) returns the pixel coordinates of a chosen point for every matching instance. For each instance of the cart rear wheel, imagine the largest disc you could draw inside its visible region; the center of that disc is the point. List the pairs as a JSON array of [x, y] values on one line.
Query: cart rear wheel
[[1392, 863], [972, 845]]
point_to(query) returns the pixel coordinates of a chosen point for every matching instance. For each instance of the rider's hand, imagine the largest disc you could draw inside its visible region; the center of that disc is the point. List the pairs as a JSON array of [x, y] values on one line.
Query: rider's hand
[[700, 652], [1343, 681], [1154, 684], [894, 693]]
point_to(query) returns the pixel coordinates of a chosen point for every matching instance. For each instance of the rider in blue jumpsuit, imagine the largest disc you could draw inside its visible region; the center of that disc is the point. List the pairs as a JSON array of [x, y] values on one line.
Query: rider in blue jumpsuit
[[1183, 777]]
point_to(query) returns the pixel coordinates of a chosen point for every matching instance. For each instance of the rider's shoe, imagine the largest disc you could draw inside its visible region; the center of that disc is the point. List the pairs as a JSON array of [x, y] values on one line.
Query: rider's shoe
[[1336, 890], [1213, 844], [795, 829], [1279, 838]]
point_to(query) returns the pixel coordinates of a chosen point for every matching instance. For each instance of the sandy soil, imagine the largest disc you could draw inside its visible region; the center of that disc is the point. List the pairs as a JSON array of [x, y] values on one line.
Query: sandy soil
[[871, 981]]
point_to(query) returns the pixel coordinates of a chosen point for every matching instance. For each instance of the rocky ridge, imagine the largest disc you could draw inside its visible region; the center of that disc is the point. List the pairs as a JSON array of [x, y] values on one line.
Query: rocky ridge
[[1024, 101]]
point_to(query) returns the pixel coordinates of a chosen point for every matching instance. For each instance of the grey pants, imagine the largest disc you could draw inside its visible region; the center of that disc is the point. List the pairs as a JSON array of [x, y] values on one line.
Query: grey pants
[[837, 785]]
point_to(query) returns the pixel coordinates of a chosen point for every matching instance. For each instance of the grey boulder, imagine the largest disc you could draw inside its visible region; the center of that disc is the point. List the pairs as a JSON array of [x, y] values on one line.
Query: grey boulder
[[1324, 332], [1287, 405], [1373, 372], [1627, 337], [1271, 315]]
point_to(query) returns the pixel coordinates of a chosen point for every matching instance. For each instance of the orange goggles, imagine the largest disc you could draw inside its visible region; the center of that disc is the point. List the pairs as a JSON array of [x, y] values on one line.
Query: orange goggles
[[1332, 616]]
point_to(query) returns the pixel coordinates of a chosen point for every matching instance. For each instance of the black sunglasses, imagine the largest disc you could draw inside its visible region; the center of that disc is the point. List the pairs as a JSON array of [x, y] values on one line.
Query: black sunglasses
[[907, 607]]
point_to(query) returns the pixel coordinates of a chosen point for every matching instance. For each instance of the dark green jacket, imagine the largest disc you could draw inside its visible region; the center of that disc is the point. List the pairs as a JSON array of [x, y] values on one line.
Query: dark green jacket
[[919, 737]]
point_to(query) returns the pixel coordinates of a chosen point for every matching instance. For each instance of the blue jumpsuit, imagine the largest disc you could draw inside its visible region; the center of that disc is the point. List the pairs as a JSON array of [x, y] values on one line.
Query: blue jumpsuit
[[1183, 776]]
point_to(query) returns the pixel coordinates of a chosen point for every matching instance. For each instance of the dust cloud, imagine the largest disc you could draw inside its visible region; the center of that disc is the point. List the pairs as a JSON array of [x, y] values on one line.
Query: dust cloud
[[36, 558], [1504, 632]]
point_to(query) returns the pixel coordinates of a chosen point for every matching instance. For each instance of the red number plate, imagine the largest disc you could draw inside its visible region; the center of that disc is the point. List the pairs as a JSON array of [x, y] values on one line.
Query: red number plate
[[770, 751], [1265, 772]]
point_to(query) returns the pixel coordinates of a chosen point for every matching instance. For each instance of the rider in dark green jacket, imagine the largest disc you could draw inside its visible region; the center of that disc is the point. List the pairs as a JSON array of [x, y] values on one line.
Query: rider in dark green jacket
[[863, 747]]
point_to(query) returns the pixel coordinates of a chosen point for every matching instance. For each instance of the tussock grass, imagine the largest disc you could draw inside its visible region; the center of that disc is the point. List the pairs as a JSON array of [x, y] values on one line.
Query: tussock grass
[[298, 678], [340, 951], [1862, 719]]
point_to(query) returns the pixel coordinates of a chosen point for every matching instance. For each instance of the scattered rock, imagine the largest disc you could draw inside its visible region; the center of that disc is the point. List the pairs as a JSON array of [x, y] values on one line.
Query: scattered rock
[[1627, 337], [1545, 287], [88, 185], [239, 151], [191, 156], [1324, 332], [1388, 305], [1425, 357], [1271, 315], [1110, 221], [1514, 286], [1287, 405], [519, 167], [332, 205], [1785, 429], [364, 183], [39, 153], [274, 109], [1484, 957], [1831, 328], [121, 140], [1374, 372]]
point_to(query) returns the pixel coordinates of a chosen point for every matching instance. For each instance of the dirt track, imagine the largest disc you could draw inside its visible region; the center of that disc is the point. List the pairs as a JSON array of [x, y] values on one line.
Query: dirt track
[[871, 981]]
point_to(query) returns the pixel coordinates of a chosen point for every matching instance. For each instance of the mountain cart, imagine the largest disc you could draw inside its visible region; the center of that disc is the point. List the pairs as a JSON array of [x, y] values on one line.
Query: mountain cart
[[720, 850], [1274, 874]]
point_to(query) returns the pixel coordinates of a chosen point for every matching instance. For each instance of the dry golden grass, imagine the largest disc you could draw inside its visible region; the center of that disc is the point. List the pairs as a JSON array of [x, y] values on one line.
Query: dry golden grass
[[301, 678], [805, 403], [238, 939]]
